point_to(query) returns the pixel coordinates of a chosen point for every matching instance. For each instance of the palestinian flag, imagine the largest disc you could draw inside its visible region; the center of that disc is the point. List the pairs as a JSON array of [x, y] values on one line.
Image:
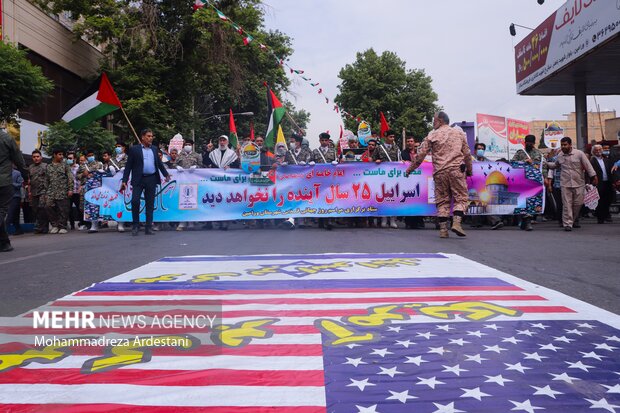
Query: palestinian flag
[[98, 101], [233, 131], [276, 113]]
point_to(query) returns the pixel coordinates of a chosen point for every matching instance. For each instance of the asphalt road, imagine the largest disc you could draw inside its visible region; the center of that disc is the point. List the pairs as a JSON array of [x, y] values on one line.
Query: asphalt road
[[584, 264]]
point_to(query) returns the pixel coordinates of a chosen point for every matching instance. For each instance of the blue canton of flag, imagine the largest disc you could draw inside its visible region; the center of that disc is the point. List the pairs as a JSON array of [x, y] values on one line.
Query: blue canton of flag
[[512, 366]]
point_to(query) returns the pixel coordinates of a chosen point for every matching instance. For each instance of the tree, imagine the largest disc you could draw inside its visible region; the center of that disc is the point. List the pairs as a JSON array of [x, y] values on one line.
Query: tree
[[93, 137], [174, 69], [21, 83], [300, 117], [374, 84]]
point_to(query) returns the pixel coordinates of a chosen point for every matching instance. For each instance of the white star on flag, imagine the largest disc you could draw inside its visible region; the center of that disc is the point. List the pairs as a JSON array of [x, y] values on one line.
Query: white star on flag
[[525, 406], [534, 356], [430, 382], [564, 377], [475, 393], [389, 372], [445, 327], [371, 409], [612, 338], [438, 350], [454, 369], [395, 329], [478, 333], [592, 355], [512, 340], [497, 349], [426, 335], [448, 408], [458, 341], [517, 367], [402, 397], [417, 360], [549, 346], [499, 379], [574, 331], [563, 339], [380, 352], [545, 391], [579, 365], [539, 325], [354, 362], [475, 357], [360, 384], [604, 346], [584, 325], [525, 333], [491, 326], [603, 404], [405, 344], [612, 389]]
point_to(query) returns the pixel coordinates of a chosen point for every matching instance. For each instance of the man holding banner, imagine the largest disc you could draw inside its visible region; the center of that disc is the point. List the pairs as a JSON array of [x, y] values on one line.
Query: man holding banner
[[451, 163]]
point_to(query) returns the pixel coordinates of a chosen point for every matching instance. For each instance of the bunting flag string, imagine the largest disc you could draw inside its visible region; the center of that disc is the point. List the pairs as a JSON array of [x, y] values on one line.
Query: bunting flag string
[[248, 38]]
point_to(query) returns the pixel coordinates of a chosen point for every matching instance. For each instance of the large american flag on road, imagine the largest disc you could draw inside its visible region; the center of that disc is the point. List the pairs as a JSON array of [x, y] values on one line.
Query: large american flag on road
[[321, 333]]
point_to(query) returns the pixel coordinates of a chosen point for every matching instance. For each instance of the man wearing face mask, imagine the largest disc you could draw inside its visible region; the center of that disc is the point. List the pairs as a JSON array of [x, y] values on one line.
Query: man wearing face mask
[[297, 154], [90, 175], [120, 155], [534, 157], [602, 167], [572, 163], [323, 155], [36, 192], [187, 158]]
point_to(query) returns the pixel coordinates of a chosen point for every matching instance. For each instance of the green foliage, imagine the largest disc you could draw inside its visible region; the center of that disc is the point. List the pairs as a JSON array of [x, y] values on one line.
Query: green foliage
[[93, 137], [300, 117], [374, 84], [174, 69], [21, 83]]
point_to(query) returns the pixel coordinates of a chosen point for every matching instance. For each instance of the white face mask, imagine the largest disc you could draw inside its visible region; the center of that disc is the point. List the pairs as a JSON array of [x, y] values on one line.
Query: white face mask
[[187, 148], [292, 146]]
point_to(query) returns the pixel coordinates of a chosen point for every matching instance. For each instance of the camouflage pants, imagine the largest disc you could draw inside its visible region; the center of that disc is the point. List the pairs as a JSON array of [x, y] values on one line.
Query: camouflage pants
[[40, 214], [450, 186], [57, 210]]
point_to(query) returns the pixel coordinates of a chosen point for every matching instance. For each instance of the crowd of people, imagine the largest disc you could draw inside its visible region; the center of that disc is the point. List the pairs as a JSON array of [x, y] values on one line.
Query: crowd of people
[[52, 194]]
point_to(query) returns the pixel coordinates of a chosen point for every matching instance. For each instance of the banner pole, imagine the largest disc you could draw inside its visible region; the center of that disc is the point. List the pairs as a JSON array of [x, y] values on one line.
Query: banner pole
[[130, 125]]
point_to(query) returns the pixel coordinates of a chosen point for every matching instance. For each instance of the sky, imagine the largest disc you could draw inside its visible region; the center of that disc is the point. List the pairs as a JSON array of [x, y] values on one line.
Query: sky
[[464, 46]]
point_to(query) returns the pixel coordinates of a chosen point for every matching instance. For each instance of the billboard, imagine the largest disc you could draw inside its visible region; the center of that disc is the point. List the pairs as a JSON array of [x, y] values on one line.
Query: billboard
[[553, 133], [492, 132], [573, 30]]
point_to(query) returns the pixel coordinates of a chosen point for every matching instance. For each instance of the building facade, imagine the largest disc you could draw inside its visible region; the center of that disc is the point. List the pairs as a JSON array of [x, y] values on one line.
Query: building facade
[[596, 125]]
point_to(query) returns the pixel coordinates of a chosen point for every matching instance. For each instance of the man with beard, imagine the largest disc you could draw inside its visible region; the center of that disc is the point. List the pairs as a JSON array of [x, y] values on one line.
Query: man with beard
[[224, 158]]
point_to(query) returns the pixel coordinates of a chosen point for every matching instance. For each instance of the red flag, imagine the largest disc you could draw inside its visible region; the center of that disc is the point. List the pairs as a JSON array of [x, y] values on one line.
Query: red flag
[[233, 130], [198, 5], [384, 125], [340, 140], [252, 130]]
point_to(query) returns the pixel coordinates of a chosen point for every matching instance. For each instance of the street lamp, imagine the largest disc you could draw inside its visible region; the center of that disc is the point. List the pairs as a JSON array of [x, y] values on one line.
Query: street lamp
[[513, 31]]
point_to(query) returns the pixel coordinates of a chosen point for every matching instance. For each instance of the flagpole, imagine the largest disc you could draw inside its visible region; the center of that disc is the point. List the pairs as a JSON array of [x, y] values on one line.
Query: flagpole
[[293, 120], [130, 125]]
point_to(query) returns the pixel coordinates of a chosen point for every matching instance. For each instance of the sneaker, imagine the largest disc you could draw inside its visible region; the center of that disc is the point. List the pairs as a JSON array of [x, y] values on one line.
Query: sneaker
[[62, 231], [576, 225], [393, 224], [54, 230], [82, 227], [120, 227], [93, 228], [567, 228], [155, 227], [6, 247], [499, 225], [181, 226]]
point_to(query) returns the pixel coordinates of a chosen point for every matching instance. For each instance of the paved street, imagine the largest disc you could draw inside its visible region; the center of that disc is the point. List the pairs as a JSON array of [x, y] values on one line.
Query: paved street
[[583, 264]]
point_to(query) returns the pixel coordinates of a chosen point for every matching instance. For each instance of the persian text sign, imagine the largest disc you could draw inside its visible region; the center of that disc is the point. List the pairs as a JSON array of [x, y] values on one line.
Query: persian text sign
[[573, 30], [517, 130], [356, 189], [492, 132]]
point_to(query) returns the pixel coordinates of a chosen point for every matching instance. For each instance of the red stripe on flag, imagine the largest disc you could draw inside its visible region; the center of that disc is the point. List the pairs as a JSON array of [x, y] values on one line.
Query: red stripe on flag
[[124, 408], [351, 300], [212, 377], [257, 350], [206, 291]]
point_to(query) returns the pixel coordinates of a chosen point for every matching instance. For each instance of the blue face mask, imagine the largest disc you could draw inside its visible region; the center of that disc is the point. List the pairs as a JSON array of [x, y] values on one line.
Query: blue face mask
[[480, 153], [118, 150], [69, 161], [606, 153], [91, 159]]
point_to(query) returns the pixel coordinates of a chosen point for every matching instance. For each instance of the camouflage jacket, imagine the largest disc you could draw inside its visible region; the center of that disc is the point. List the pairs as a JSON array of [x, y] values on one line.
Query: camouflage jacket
[[387, 155], [185, 160], [59, 181], [119, 161], [327, 157], [38, 180], [90, 167], [535, 155], [304, 156]]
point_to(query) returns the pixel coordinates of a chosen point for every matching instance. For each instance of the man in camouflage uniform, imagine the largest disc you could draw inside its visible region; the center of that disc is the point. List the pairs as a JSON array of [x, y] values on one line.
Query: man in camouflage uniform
[[90, 174], [451, 164], [297, 154], [36, 192], [120, 156], [388, 151], [59, 189], [534, 157], [187, 158], [325, 154]]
